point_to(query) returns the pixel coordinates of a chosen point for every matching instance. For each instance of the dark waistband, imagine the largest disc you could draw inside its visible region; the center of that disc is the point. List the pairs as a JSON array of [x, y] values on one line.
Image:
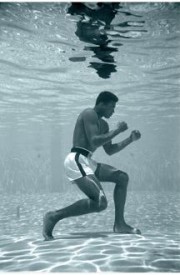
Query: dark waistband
[[82, 151]]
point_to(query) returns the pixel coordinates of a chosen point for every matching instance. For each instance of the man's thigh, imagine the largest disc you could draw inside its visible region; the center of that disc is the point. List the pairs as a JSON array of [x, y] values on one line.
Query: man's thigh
[[107, 172], [90, 186]]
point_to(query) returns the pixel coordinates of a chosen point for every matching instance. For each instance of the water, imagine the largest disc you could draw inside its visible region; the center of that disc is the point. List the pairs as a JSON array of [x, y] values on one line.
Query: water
[[54, 60], [49, 57], [86, 243]]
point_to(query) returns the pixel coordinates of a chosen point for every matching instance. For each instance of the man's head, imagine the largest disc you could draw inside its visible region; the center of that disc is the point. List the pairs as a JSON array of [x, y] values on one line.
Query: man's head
[[105, 103]]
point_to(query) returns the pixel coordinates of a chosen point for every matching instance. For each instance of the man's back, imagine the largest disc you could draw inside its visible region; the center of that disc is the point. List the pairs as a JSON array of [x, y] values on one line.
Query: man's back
[[80, 138]]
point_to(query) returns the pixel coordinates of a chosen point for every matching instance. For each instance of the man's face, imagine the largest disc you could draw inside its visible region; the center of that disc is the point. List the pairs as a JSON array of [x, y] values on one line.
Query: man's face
[[109, 109]]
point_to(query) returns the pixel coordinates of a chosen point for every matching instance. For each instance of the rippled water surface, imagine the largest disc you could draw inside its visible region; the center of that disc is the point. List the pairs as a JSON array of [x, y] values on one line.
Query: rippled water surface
[[54, 60]]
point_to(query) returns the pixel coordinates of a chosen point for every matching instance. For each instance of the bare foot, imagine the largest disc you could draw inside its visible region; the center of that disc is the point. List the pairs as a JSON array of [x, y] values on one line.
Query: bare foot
[[126, 229], [48, 225]]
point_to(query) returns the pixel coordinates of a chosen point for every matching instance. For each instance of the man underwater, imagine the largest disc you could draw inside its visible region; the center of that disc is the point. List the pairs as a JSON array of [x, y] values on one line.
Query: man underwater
[[91, 132]]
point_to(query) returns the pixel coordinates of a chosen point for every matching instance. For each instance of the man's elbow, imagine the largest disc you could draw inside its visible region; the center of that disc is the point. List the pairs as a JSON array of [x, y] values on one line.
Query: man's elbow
[[109, 152]]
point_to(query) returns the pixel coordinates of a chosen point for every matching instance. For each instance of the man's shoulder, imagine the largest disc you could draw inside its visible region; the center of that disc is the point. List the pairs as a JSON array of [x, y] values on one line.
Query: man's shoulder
[[89, 112]]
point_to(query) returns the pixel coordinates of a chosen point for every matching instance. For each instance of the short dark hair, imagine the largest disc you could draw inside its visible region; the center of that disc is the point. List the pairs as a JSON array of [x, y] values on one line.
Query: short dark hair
[[106, 97]]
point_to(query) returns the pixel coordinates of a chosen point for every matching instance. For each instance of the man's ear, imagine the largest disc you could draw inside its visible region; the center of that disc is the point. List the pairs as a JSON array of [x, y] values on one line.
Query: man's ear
[[102, 104]]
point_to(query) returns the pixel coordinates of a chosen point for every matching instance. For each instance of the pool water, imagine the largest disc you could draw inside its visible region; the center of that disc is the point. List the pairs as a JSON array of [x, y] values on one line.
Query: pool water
[[55, 58]]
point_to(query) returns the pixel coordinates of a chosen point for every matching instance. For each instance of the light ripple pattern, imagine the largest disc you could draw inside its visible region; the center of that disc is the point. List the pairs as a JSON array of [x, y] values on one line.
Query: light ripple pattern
[[87, 243]]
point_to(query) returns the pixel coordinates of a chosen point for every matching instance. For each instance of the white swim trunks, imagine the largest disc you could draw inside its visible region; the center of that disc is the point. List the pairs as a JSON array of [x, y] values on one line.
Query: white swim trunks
[[79, 163]]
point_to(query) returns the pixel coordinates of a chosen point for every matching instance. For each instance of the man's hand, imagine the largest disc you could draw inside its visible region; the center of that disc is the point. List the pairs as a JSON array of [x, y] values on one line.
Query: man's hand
[[135, 135], [122, 126]]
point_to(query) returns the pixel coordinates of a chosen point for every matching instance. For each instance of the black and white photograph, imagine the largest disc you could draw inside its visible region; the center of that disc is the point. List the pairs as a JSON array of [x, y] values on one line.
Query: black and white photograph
[[89, 137]]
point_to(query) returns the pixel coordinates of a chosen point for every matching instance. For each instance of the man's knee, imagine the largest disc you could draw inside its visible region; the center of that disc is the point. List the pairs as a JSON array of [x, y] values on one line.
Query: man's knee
[[121, 178], [101, 204], [125, 177]]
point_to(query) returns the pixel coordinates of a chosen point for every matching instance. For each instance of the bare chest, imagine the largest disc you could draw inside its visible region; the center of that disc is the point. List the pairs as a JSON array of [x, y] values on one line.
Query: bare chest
[[102, 126]]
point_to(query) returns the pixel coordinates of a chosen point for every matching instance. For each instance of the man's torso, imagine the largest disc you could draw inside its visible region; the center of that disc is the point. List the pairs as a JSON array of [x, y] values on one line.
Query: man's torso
[[80, 138]]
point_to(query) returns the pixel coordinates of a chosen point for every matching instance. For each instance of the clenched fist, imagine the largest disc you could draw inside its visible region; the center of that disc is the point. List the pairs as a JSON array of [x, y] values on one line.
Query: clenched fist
[[122, 126], [135, 135]]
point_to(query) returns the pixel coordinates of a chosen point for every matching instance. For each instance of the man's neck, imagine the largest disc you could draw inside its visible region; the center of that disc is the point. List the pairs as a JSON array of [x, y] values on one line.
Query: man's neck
[[98, 112]]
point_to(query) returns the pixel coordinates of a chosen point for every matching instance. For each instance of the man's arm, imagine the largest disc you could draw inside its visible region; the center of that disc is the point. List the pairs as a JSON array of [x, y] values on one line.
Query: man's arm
[[111, 149], [92, 130]]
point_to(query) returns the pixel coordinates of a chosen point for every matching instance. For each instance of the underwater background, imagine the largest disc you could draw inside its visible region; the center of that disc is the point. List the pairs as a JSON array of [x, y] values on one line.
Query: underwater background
[[55, 58]]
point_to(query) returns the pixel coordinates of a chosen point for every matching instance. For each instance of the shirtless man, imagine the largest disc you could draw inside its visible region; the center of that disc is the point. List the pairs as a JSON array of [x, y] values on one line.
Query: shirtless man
[[91, 132]]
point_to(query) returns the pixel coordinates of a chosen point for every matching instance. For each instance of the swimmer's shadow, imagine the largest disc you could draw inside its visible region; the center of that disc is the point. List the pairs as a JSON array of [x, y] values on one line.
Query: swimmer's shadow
[[84, 235]]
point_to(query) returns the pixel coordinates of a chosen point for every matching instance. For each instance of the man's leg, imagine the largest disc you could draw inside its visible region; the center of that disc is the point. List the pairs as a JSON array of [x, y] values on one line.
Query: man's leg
[[95, 202], [110, 174]]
